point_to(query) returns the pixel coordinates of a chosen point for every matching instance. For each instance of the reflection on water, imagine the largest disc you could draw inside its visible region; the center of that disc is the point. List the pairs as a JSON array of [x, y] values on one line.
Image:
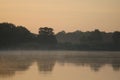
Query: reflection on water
[[14, 61]]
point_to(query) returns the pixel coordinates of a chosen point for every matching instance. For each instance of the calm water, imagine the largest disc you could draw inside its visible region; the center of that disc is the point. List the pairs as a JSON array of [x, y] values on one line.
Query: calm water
[[59, 65]]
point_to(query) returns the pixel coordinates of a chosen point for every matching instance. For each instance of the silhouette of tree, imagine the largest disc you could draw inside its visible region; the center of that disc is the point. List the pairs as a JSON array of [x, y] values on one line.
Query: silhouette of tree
[[6, 33], [46, 31], [116, 38], [96, 36], [10, 34], [22, 34], [46, 36]]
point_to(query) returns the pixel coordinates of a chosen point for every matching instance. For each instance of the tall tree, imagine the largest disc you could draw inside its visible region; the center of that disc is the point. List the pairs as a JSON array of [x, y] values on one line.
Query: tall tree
[[96, 36], [46, 36], [116, 38]]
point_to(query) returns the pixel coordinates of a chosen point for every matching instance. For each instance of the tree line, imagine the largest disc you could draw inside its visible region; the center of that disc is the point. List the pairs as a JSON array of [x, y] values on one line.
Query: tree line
[[89, 40], [12, 35], [16, 36]]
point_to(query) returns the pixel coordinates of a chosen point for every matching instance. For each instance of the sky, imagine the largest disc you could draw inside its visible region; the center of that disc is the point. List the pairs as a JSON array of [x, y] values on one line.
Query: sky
[[68, 15]]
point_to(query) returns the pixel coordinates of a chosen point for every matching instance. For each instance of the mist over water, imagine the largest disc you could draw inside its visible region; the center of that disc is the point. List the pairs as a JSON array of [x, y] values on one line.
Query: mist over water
[[59, 65]]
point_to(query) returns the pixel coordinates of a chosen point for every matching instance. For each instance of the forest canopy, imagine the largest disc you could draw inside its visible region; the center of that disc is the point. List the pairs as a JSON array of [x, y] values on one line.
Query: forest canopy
[[12, 36]]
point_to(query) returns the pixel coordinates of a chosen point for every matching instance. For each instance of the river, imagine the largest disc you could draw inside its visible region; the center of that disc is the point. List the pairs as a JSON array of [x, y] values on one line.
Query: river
[[59, 65]]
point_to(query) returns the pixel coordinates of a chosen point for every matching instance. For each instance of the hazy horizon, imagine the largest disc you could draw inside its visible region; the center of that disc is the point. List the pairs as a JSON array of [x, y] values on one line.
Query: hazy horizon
[[68, 15]]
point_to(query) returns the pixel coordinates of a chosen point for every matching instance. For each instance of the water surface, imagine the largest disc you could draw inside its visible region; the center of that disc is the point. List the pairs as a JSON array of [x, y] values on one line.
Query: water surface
[[59, 65]]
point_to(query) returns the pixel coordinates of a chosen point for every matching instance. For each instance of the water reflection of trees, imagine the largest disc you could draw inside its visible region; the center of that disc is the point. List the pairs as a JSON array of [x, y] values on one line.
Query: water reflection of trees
[[95, 62], [10, 63], [46, 63]]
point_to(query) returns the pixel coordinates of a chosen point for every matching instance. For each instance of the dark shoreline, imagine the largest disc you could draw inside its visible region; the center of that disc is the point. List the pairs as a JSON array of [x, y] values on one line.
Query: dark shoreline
[[29, 49]]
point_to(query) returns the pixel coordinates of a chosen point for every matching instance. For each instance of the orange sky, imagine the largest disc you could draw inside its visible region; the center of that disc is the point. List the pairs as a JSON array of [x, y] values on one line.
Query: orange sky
[[68, 15]]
